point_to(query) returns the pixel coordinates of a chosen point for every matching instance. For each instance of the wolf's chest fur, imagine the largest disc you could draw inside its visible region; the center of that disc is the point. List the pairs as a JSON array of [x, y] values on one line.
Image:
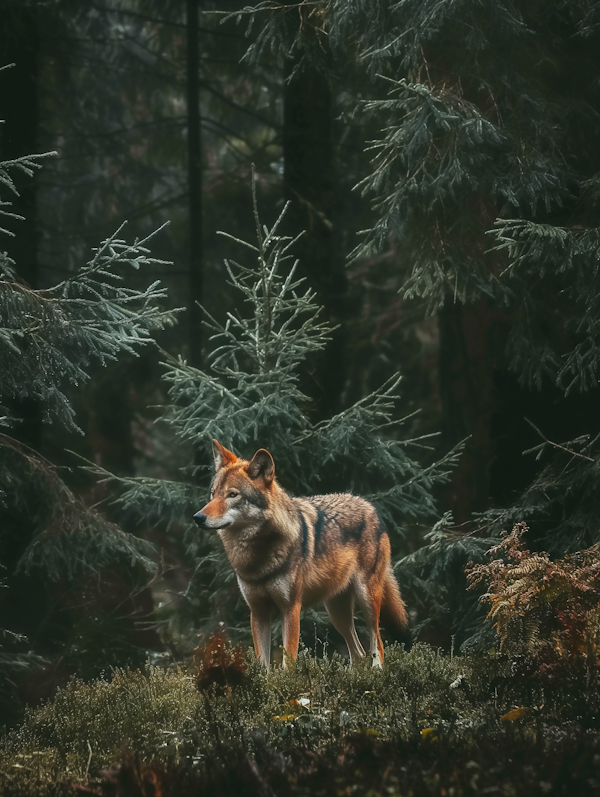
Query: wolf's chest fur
[[257, 554]]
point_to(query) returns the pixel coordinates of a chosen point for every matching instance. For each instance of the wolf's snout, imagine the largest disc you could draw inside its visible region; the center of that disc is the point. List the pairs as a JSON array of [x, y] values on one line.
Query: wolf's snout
[[200, 519]]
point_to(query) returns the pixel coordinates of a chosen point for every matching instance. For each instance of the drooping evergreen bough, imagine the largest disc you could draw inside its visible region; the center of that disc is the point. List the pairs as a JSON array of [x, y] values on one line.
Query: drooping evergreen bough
[[57, 556], [248, 398]]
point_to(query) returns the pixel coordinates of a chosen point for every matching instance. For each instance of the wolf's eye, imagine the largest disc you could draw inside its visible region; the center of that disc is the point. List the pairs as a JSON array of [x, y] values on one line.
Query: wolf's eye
[[232, 494]]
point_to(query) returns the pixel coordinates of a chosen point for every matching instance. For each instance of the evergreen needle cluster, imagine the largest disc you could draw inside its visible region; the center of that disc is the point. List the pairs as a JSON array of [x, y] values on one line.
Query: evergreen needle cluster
[[49, 338]]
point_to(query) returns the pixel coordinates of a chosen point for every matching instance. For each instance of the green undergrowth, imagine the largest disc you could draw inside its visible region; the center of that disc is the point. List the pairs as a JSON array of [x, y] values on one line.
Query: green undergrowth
[[424, 724]]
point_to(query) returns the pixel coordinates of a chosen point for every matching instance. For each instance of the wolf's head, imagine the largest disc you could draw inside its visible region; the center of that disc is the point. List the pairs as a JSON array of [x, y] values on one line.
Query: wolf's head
[[240, 491]]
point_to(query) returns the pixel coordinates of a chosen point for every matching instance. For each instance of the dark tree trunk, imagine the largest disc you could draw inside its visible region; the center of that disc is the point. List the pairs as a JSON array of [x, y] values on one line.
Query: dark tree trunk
[[18, 133], [309, 182], [19, 45], [468, 340], [195, 182]]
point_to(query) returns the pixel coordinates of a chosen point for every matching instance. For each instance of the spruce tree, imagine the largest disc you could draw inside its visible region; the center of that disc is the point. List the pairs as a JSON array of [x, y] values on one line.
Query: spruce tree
[[250, 397], [57, 556], [483, 180]]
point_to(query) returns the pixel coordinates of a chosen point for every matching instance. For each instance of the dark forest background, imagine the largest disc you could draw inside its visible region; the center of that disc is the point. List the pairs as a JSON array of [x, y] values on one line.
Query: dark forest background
[[443, 161]]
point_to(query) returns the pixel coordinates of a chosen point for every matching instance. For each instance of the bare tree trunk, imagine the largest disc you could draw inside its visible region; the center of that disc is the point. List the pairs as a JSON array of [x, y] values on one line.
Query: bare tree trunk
[[19, 44], [468, 340], [195, 182], [309, 182]]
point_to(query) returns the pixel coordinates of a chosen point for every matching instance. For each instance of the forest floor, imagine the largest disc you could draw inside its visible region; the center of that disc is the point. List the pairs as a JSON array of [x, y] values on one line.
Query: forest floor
[[425, 724]]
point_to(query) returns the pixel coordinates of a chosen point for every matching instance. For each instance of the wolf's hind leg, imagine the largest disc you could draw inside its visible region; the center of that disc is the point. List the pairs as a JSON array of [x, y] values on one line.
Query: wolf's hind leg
[[341, 613], [260, 623], [370, 596]]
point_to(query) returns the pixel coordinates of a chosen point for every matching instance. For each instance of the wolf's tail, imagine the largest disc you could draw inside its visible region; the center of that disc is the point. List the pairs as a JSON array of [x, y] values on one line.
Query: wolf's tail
[[393, 612]]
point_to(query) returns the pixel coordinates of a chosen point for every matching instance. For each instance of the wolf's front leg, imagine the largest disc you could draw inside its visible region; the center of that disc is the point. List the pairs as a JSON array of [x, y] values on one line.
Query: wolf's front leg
[[260, 623], [291, 633]]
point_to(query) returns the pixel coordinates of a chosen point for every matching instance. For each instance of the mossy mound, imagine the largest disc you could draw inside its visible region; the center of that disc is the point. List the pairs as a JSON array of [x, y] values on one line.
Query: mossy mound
[[424, 724]]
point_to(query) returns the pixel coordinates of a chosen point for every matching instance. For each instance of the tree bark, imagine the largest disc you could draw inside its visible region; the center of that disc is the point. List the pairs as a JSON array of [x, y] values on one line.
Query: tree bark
[[18, 133], [195, 183], [309, 183], [19, 42], [468, 340]]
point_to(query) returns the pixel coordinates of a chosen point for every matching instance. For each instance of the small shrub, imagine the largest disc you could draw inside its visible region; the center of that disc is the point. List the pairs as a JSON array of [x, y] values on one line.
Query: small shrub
[[217, 663], [547, 615]]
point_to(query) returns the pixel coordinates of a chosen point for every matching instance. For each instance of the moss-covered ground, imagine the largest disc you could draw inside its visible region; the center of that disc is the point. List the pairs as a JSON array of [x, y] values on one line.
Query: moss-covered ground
[[425, 724]]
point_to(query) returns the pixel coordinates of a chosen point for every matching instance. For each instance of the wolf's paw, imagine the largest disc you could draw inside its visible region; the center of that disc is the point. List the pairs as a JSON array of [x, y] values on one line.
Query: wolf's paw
[[376, 661]]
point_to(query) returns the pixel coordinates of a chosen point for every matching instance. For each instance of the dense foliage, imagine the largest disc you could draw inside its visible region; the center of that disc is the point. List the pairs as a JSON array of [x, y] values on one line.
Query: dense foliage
[[57, 555], [483, 192]]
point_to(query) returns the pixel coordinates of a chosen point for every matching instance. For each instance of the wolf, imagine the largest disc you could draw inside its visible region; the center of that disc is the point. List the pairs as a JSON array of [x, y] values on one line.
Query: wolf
[[289, 553]]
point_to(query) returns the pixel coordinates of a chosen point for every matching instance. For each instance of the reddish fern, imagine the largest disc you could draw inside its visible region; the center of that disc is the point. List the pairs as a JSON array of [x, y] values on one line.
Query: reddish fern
[[548, 610], [218, 663]]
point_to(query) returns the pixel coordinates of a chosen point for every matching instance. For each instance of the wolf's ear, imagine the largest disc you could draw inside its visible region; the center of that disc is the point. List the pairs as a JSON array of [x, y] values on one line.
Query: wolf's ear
[[222, 455], [262, 465]]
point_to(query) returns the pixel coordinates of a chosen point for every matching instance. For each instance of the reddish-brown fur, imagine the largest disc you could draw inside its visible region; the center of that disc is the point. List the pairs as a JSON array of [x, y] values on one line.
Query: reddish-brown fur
[[293, 552]]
